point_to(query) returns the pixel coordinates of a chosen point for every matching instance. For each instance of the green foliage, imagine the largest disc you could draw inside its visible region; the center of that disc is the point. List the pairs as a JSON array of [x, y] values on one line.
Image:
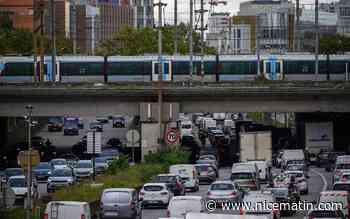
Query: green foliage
[[20, 213], [168, 157], [131, 41], [124, 176], [334, 44], [118, 164]]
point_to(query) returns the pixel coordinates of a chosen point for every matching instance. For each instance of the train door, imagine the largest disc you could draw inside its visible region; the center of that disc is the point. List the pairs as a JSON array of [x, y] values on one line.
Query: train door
[[273, 68], [167, 70], [49, 71]]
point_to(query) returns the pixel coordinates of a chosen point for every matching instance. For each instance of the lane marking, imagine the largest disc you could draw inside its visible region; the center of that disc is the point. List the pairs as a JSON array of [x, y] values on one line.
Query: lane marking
[[325, 184]]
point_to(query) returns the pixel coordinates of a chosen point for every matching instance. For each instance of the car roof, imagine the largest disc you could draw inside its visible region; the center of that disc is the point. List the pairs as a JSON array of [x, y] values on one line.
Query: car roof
[[17, 177], [293, 171], [155, 184], [223, 182], [68, 202], [56, 159], [187, 197], [119, 190], [84, 161], [333, 192], [341, 182], [167, 174]]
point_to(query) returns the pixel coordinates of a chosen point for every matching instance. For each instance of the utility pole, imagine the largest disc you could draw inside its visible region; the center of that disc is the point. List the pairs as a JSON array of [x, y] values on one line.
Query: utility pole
[[160, 70], [41, 38], [53, 39], [297, 24], [35, 7], [317, 40], [202, 29], [175, 24], [191, 38], [28, 118], [258, 44]]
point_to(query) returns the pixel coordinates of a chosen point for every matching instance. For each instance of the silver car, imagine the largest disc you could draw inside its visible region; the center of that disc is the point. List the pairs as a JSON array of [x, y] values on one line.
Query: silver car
[[120, 203], [224, 191], [206, 173], [60, 178]]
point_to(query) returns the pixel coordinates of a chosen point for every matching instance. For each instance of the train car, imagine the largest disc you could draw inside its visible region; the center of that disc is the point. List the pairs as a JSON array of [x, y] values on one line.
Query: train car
[[17, 69]]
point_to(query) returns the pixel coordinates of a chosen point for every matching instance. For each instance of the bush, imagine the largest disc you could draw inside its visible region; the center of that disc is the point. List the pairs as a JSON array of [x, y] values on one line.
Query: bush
[[168, 157], [121, 163]]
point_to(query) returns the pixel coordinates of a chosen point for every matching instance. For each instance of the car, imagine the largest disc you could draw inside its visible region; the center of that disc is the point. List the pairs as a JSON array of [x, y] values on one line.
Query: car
[[119, 122], [255, 197], [298, 167], [119, 203], [114, 142], [263, 168], [19, 186], [179, 206], [212, 163], [42, 171], [102, 120], [188, 174], [341, 186], [331, 160], [206, 173], [173, 181], [300, 180], [59, 163], [337, 196], [83, 169], [224, 191], [326, 214], [71, 159], [37, 142], [101, 165], [342, 164], [60, 178], [55, 124], [282, 195], [245, 177], [12, 172], [80, 123], [96, 126], [67, 210], [155, 194]]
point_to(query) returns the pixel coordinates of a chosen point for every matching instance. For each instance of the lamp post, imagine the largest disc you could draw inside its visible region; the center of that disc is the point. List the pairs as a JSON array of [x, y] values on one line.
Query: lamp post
[[28, 119]]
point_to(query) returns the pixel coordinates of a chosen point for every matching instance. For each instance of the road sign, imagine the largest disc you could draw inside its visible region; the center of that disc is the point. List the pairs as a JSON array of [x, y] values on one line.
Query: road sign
[[94, 142], [22, 158], [132, 137], [172, 136]]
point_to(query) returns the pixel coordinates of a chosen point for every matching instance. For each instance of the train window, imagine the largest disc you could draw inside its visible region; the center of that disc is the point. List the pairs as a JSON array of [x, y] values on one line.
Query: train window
[[18, 69], [181, 68]]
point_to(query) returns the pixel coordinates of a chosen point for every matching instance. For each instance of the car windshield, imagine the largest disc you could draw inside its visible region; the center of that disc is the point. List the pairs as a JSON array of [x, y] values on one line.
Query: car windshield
[[153, 188], [236, 176], [115, 197], [341, 187], [18, 182], [325, 214], [55, 120], [43, 166], [165, 179], [295, 167], [14, 172], [222, 186], [202, 168], [101, 160], [71, 123], [59, 162], [343, 166], [186, 126], [84, 165], [62, 173], [295, 162]]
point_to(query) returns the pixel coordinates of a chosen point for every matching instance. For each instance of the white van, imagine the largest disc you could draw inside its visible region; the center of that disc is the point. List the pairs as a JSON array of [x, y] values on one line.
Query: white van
[[288, 155], [336, 197], [186, 128], [263, 168], [188, 174], [179, 206], [67, 210]]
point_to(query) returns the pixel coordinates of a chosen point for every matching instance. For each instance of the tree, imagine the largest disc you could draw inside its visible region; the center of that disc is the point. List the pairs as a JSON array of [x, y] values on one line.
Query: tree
[[329, 45]]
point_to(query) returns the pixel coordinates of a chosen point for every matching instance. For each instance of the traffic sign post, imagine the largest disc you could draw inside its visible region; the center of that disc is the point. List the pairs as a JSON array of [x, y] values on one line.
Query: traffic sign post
[[133, 137], [172, 136], [93, 147]]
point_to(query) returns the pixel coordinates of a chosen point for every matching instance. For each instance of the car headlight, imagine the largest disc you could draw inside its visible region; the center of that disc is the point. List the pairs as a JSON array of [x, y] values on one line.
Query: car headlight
[[70, 180], [49, 180], [49, 172]]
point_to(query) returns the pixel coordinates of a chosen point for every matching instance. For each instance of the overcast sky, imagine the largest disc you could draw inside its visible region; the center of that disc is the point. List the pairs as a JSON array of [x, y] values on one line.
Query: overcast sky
[[183, 8]]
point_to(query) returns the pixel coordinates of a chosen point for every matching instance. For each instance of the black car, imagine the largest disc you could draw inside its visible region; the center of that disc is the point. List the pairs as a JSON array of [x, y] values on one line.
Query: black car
[[173, 181], [102, 120], [119, 122], [328, 159], [55, 124]]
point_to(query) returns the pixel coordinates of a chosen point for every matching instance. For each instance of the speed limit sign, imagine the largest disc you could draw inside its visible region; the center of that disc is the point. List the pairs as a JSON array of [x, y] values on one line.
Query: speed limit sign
[[171, 136]]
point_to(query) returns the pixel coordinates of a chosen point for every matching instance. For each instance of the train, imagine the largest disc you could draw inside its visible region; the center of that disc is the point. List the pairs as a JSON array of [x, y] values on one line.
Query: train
[[70, 69]]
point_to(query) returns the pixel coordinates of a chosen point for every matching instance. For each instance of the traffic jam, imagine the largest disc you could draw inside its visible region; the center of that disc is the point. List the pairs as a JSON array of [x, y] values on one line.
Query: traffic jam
[[232, 160]]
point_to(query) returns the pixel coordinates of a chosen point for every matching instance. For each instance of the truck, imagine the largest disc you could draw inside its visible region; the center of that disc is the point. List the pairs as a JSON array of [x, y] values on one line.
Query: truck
[[255, 146], [71, 126], [318, 136]]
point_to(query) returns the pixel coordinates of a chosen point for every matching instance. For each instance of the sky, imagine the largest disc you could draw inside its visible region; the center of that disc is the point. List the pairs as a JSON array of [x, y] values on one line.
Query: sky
[[183, 8]]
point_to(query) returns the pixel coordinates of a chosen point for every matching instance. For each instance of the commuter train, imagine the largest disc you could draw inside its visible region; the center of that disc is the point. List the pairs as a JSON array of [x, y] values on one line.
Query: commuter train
[[176, 68]]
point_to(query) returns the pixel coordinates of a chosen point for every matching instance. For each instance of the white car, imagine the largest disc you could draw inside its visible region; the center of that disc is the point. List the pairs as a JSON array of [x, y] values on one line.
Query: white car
[[340, 197], [188, 174], [59, 163], [155, 194], [19, 186], [179, 206], [300, 180], [255, 197], [83, 169], [67, 210], [325, 214]]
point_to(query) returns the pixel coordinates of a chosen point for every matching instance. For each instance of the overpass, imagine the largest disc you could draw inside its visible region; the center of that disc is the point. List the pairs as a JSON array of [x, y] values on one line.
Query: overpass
[[125, 98]]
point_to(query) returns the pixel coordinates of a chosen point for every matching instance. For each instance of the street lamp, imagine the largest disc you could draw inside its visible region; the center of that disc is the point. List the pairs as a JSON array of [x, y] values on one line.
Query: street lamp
[[30, 123]]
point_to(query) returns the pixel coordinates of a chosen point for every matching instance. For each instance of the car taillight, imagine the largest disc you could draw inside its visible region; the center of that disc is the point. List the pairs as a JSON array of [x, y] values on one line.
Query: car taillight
[[82, 216], [311, 217], [142, 193], [241, 211], [233, 193], [164, 193], [46, 216], [167, 213], [209, 193]]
